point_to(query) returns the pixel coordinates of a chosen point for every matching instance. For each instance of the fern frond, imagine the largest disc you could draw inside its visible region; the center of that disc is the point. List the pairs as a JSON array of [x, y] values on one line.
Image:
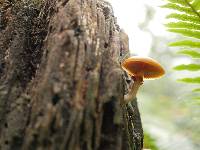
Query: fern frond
[[176, 7], [190, 67], [195, 80], [186, 43], [184, 17], [185, 25], [191, 53], [186, 32]]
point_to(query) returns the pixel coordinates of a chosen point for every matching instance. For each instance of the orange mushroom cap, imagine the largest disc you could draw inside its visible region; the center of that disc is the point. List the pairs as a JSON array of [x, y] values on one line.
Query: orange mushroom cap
[[143, 66]]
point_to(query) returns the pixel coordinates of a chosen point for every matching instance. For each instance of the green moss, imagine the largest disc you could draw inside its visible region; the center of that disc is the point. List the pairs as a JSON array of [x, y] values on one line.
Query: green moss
[[149, 142]]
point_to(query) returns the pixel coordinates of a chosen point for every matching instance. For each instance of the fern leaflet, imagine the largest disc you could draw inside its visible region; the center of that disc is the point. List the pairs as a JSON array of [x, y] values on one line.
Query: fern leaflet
[[191, 53], [190, 67]]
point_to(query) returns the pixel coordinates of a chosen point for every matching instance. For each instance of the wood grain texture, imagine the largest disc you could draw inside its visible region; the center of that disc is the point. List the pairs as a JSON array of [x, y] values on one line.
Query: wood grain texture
[[60, 78]]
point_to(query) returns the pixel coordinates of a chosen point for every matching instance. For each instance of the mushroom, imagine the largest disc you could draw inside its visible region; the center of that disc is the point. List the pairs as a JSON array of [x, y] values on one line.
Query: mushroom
[[140, 68]]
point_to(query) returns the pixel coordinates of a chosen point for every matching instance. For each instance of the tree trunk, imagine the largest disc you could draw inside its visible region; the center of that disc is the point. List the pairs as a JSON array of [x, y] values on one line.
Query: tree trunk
[[60, 77]]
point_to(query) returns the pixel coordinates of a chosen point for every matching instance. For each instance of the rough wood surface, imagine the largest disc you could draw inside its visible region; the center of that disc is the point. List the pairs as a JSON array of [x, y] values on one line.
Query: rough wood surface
[[60, 80]]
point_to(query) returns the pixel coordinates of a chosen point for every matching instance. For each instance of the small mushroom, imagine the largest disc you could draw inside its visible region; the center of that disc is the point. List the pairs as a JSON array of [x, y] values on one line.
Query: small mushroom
[[140, 68]]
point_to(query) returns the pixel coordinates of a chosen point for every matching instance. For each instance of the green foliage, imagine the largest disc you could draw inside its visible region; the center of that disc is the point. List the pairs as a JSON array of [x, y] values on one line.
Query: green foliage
[[196, 90], [184, 17], [179, 2], [191, 53], [183, 25], [186, 43], [186, 32], [179, 8], [149, 142], [190, 67], [196, 98], [185, 20], [190, 80]]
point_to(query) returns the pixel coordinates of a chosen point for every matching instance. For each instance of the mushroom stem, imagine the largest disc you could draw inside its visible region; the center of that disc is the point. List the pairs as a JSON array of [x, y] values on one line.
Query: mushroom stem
[[138, 81]]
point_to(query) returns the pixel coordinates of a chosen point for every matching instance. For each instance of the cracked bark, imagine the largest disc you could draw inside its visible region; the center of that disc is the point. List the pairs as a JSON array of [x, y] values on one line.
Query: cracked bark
[[60, 80]]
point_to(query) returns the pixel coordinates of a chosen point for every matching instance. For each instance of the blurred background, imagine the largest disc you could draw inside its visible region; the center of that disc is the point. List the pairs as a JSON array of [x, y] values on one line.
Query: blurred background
[[170, 115]]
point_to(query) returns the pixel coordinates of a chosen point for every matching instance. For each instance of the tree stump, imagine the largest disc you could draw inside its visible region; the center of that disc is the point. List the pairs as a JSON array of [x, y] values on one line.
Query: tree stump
[[60, 78]]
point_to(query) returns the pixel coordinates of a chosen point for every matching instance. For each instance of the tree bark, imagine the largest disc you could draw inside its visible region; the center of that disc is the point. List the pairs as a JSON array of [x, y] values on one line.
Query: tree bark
[[60, 78]]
